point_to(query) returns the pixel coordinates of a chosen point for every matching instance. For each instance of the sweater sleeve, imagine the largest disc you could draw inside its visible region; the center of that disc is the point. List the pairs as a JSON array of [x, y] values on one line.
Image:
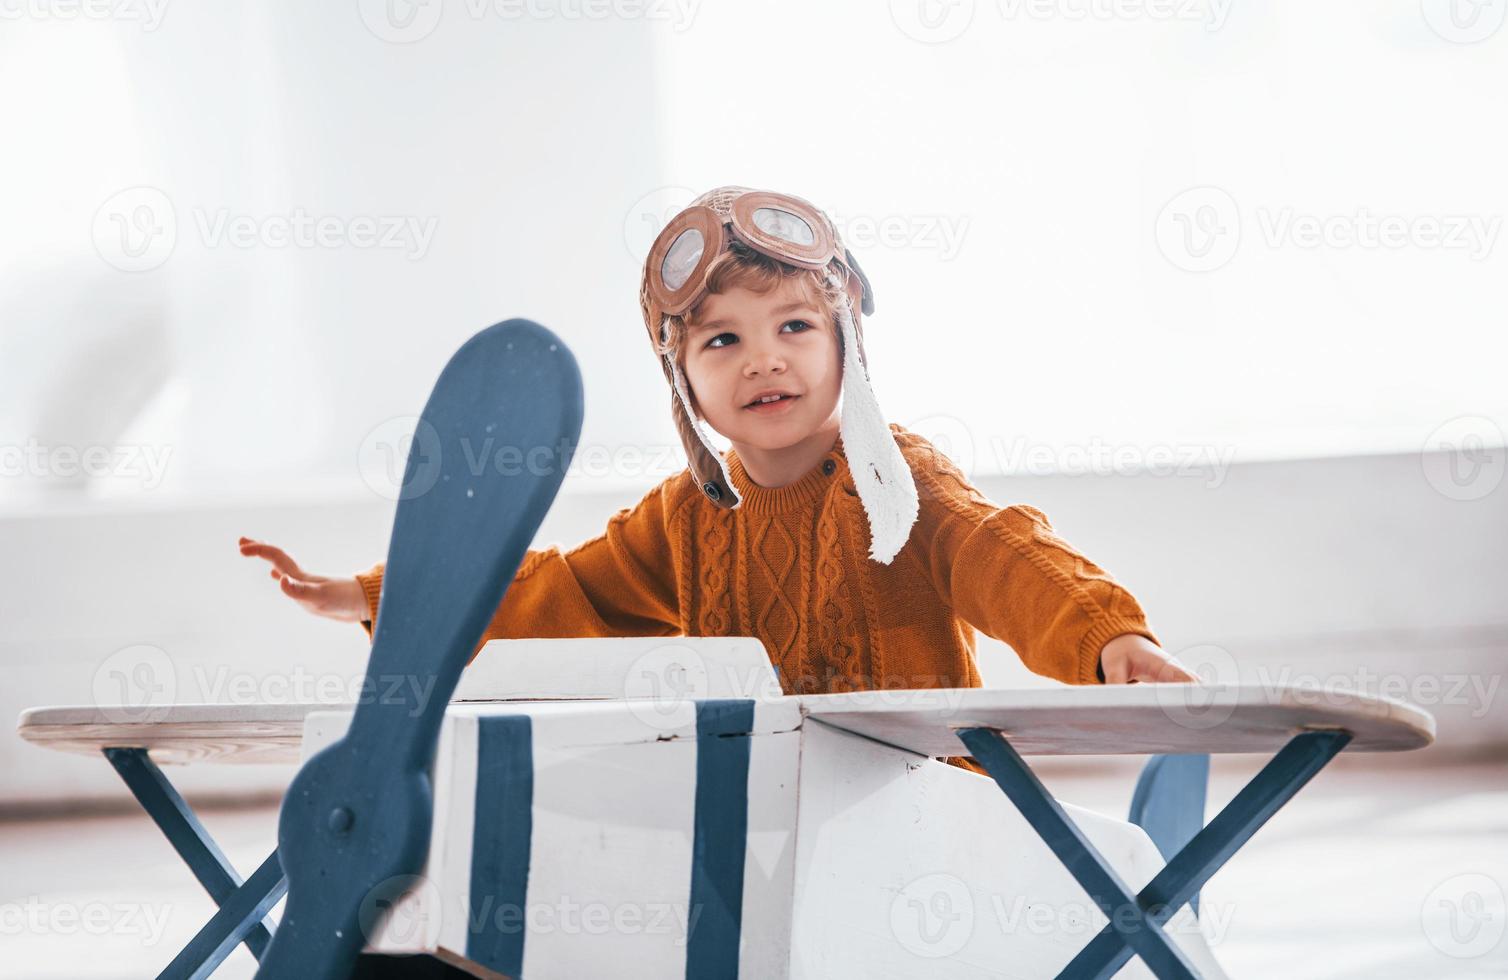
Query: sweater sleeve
[[1007, 573], [620, 583]]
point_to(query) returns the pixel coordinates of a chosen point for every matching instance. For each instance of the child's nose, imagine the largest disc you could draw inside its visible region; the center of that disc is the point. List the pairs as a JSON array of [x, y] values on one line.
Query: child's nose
[[764, 361]]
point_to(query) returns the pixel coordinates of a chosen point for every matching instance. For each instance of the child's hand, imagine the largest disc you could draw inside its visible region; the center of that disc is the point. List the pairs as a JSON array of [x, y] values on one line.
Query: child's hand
[[1130, 657], [337, 598]]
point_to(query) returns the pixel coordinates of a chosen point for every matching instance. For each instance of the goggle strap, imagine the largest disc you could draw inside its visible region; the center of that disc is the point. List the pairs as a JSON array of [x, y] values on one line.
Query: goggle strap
[[867, 303]]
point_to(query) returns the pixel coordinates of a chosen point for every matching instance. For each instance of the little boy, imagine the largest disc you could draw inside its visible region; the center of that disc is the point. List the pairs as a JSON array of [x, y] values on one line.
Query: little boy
[[752, 304]]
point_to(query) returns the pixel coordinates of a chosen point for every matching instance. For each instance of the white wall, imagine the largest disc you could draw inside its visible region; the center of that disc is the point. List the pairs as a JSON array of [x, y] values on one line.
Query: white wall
[[508, 153], [1011, 173], [1055, 140]]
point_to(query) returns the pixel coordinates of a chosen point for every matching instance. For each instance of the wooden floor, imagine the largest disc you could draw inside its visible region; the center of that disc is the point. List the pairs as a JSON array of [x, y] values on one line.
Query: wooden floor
[[1385, 867]]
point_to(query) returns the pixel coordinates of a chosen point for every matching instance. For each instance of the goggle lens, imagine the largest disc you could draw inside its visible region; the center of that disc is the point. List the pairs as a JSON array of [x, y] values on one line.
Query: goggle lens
[[681, 258], [784, 225]]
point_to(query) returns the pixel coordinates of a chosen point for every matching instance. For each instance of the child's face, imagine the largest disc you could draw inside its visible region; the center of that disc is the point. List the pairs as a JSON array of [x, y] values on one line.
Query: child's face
[[741, 343]]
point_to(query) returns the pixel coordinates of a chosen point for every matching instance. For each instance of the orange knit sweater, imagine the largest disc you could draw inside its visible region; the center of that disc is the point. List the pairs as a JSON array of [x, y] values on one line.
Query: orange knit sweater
[[790, 567]]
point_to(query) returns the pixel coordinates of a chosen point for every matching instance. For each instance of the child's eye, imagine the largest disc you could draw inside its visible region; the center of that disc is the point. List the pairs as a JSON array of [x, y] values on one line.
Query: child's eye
[[713, 343]]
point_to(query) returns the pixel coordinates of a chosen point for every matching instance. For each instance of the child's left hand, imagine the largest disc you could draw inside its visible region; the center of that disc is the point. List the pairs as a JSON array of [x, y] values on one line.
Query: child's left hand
[[1130, 657]]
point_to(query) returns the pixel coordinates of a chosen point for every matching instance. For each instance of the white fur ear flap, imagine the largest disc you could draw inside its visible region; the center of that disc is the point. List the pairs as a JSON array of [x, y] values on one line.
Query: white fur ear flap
[[880, 473], [698, 427]]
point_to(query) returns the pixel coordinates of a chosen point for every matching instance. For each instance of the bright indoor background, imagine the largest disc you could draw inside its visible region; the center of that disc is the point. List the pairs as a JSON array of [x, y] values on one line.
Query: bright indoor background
[[1219, 287]]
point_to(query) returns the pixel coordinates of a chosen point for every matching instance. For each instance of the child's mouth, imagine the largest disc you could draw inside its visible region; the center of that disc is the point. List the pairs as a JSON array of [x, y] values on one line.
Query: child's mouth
[[781, 404]]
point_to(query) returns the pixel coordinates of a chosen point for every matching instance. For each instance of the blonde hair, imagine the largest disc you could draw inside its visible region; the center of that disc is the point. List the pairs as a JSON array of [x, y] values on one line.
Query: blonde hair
[[743, 267]]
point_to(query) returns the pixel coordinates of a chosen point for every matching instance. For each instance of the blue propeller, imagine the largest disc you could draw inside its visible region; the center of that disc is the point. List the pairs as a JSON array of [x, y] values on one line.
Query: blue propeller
[[488, 457]]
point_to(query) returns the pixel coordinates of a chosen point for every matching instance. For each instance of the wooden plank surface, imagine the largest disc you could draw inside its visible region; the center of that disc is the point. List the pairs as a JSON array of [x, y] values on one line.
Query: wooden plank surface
[[1124, 718], [1112, 719], [180, 733]]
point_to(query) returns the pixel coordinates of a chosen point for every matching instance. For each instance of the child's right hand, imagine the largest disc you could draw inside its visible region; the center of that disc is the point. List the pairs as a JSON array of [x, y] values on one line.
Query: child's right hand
[[337, 598]]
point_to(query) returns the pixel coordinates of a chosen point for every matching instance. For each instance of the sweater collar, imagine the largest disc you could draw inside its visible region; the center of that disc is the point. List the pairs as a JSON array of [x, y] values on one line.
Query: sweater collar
[[804, 492]]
